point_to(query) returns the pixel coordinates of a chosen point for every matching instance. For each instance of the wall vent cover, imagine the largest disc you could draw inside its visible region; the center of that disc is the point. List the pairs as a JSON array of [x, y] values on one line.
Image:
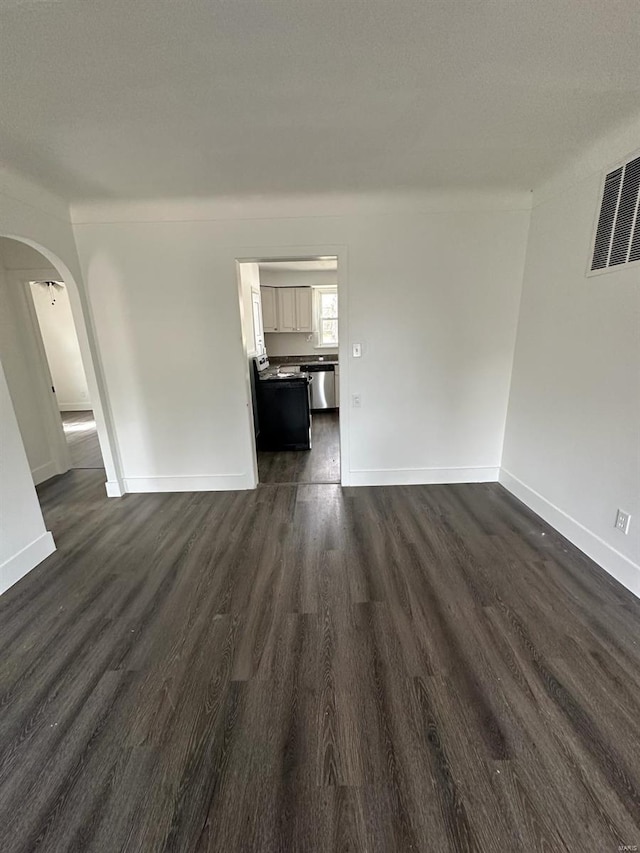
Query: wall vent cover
[[617, 237]]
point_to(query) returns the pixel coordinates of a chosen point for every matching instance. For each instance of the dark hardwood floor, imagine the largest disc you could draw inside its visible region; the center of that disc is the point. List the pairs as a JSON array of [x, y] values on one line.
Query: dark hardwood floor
[[82, 439], [306, 668], [321, 464]]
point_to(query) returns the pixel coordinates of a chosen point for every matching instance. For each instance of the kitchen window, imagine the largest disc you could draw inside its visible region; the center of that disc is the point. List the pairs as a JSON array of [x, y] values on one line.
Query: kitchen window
[[326, 302]]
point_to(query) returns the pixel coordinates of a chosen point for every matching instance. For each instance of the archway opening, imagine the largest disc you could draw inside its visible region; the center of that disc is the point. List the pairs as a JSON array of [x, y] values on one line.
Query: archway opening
[[48, 363]]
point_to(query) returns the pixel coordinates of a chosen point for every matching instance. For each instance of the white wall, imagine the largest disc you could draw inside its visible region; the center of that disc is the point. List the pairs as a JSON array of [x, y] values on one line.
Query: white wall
[[572, 446], [29, 382], [20, 256], [61, 345], [24, 541], [29, 213], [294, 343], [433, 293]]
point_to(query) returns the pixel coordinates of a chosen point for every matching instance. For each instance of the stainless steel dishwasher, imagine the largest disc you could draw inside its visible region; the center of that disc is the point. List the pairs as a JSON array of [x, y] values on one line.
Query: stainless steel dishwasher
[[323, 387]]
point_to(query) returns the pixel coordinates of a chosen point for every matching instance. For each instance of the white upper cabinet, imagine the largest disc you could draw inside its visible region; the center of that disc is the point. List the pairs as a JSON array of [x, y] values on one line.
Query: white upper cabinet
[[304, 312], [269, 309], [287, 309]]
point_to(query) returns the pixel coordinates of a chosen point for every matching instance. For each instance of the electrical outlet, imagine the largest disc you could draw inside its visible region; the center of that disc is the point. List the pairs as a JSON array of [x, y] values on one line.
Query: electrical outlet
[[356, 401], [623, 519]]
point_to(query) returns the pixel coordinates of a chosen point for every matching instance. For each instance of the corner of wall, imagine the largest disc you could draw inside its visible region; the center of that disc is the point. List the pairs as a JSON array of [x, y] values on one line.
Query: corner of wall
[[624, 570], [519, 456]]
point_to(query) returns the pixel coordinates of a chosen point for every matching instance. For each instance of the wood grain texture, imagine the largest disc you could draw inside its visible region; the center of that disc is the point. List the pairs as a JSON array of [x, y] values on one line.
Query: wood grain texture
[[82, 439], [321, 464], [310, 668]]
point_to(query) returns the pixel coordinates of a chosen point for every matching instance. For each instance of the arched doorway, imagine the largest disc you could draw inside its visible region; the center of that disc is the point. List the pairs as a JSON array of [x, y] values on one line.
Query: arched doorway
[[47, 405]]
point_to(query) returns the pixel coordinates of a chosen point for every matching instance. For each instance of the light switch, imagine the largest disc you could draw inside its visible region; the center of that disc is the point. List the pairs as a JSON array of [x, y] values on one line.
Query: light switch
[[357, 350]]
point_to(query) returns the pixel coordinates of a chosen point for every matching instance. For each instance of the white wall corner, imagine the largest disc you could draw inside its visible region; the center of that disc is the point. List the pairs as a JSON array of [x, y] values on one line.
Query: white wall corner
[[620, 567], [605, 151], [114, 489], [28, 558], [295, 206], [45, 472]]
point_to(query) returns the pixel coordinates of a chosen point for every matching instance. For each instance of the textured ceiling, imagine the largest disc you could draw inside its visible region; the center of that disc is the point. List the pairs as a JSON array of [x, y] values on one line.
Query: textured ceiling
[[160, 98]]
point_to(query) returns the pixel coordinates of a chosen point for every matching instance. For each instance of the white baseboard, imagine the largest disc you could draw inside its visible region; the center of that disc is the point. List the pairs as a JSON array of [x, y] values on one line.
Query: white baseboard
[[419, 476], [190, 483], [28, 558], [75, 407], [624, 570], [113, 489], [44, 472]]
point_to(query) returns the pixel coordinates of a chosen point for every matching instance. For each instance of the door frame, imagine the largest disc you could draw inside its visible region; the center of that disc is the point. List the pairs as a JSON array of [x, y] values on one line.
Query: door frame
[[306, 253]]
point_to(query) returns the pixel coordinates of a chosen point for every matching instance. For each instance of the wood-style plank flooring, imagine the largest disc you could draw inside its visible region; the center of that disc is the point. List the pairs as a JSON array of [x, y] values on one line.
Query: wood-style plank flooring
[[321, 464], [306, 668], [82, 439]]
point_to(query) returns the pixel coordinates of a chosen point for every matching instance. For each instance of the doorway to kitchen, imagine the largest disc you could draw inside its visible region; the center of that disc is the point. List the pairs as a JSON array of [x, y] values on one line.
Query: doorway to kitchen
[[291, 331]]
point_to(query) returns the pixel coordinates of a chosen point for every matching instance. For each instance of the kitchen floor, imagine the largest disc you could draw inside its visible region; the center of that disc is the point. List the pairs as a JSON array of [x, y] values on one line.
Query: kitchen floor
[[82, 439], [321, 464]]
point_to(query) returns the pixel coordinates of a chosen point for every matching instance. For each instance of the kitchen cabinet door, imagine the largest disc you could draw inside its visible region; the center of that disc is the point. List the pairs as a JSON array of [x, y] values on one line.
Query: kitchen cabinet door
[[286, 309], [269, 309], [304, 305]]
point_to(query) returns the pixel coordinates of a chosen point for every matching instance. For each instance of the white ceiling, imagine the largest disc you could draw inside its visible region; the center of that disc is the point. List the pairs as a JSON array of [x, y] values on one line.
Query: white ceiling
[[156, 98]]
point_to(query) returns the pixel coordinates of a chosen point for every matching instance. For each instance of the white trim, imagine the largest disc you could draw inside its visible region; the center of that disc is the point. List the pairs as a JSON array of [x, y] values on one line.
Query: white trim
[[45, 472], [113, 489], [421, 476], [28, 558], [607, 270], [75, 407], [290, 253], [624, 570], [188, 483]]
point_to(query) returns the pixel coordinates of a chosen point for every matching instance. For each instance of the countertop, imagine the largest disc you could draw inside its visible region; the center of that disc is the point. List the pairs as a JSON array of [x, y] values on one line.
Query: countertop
[[285, 360], [273, 373]]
